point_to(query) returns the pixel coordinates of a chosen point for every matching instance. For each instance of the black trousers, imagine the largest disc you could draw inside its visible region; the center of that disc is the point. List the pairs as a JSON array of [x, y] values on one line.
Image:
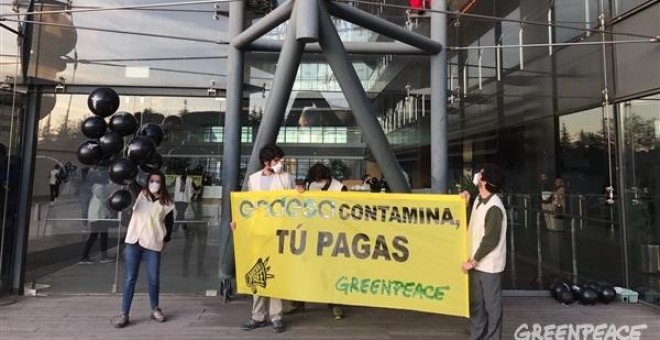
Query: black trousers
[[97, 228], [54, 191]]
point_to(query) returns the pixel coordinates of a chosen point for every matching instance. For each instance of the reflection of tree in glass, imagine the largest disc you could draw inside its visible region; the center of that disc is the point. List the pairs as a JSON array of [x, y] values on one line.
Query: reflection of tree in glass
[[641, 133]]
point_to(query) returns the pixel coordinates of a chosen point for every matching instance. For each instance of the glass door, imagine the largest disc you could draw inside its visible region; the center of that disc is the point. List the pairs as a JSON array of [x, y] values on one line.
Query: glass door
[[68, 254], [641, 133], [11, 106]]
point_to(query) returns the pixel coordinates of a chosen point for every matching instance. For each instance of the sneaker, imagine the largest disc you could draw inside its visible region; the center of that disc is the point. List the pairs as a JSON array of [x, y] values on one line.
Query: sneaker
[[278, 326], [158, 315], [337, 313], [106, 259], [85, 260], [253, 324], [120, 321]]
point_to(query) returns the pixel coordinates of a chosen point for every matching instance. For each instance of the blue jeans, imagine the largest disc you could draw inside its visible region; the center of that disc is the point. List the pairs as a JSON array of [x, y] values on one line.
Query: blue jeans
[[133, 255]]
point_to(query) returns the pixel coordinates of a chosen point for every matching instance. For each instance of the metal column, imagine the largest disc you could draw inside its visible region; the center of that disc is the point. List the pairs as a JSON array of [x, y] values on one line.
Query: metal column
[[285, 75], [28, 152], [231, 153], [439, 143], [357, 98]]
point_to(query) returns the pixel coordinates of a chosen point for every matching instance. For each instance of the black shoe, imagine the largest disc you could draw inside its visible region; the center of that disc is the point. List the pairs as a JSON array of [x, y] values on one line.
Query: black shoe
[[253, 324], [278, 326], [120, 321]]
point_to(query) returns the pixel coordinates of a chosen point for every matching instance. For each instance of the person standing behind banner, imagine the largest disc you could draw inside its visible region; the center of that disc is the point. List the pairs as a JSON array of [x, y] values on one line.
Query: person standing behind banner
[[487, 237], [319, 177], [271, 177], [148, 232]]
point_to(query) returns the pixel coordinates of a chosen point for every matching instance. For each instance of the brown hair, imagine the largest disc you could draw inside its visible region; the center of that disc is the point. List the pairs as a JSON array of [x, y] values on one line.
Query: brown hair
[[165, 198]]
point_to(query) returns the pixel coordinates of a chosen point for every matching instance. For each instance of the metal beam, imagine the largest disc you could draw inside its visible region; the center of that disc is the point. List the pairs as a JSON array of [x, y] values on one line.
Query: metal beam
[[231, 153], [382, 26], [26, 182], [439, 143], [263, 26], [363, 111], [375, 48], [285, 75], [307, 29]]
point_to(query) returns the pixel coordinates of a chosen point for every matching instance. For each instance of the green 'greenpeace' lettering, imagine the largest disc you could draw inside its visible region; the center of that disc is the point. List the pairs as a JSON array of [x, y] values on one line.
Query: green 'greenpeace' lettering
[[355, 285]]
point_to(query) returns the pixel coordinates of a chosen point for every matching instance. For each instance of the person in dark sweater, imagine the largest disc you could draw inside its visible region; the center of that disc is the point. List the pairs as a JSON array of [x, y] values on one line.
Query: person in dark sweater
[[487, 233]]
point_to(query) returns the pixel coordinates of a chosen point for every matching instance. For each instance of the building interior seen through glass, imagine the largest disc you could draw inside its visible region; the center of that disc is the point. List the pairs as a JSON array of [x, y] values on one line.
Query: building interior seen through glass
[[580, 115]]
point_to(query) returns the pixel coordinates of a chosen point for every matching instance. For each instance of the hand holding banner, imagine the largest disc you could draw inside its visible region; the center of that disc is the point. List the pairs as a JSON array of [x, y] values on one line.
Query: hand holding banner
[[381, 250]]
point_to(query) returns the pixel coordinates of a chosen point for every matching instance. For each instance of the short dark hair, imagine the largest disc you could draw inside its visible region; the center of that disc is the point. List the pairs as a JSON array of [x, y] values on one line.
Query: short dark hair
[[318, 172], [494, 177], [270, 152]]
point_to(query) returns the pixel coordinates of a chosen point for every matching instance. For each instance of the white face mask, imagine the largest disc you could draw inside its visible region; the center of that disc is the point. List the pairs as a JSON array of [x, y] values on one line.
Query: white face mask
[[317, 185], [476, 179], [154, 188], [278, 168]]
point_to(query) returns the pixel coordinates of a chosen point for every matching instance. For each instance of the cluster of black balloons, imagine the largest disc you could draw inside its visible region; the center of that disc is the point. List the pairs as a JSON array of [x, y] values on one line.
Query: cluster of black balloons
[[106, 146], [587, 293]]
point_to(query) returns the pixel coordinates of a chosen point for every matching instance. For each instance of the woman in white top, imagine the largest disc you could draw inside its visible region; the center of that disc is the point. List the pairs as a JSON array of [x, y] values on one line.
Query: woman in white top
[[148, 232]]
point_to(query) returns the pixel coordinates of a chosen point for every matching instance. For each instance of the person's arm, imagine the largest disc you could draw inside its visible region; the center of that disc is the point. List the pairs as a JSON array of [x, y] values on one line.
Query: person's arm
[[169, 224], [493, 229]]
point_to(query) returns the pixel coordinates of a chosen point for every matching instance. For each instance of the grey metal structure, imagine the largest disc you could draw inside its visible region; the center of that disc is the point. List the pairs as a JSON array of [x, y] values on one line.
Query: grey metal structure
[[304, 28], [231, 153], [439, 143]]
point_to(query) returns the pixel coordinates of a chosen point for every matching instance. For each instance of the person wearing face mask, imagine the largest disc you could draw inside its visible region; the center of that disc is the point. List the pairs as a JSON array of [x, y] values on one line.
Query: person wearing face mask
[[271, 177], [318, 178], [148, 232], [487, 239]]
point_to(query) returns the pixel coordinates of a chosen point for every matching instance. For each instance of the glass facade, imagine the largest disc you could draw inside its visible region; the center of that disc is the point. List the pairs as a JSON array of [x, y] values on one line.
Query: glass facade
[[579, 111]]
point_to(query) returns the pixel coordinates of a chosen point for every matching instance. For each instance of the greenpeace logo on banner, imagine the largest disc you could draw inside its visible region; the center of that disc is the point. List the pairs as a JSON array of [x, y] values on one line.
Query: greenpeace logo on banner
[[579, 332]]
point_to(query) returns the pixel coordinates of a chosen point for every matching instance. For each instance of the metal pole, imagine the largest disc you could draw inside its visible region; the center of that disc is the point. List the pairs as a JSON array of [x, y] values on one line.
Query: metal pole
[[29, 148], [512, 245], [363, 111], [574, 251], [231, 153], [240, 40], [526, 212], [115, 285], [351, 47], [384, 27], [439, 155], [622, 116], [539, 252], [285, 75], [307, 29]]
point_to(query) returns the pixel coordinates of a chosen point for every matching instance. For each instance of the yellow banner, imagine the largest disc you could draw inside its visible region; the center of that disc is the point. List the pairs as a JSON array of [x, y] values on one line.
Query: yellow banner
[[367, 249]]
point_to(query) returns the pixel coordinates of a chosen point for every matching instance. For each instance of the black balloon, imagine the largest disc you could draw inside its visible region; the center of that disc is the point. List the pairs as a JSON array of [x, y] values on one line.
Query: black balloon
[[120, 200], [153, 164], [103, 101], [123, 123], [106, 160], [111, 143], [141, 149], [557, 288], [122, 171], [93, 127], [588, 296], [89, 152], [607, 294], [171, 123], [153, 131], [566, 297]]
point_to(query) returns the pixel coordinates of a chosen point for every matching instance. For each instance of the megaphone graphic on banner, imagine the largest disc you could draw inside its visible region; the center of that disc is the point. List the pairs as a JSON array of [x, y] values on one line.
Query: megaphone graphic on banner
[[258, 275]]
